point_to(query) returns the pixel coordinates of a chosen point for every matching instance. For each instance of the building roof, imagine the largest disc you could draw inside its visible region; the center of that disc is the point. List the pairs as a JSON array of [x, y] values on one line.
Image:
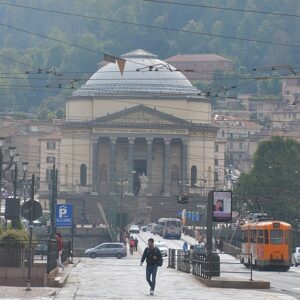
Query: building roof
[[196, 57], [144, 74]]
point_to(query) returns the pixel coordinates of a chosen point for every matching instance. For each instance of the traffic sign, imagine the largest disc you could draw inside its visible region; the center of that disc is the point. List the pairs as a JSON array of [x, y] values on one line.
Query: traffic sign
[[64, 215], [36, 210]]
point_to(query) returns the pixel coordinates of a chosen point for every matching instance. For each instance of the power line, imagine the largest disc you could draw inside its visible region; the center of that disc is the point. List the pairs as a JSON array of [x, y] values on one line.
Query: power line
[[225, 8], [134, 24]]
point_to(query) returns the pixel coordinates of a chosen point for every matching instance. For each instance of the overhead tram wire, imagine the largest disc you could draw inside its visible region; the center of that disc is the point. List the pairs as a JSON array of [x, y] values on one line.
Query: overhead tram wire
[[133, 24], [263, 12]]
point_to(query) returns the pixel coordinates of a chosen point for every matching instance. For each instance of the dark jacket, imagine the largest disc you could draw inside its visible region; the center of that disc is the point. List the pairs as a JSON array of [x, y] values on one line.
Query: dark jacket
[[152, 256]]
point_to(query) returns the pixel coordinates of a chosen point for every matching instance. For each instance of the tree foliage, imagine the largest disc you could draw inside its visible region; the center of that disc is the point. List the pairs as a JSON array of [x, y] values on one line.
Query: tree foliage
[[273, 185], [21, 52]]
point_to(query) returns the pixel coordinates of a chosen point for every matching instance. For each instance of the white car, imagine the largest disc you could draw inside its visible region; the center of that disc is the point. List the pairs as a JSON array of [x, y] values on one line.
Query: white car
[[296, 257], [162, 247], [148, 227], [134, 229]]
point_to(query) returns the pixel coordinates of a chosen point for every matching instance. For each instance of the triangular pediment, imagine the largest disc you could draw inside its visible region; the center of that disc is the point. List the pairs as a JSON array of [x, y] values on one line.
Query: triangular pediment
[[140, 115]]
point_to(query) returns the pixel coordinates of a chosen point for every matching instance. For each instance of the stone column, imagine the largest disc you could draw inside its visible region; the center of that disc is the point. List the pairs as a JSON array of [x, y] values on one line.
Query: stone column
[[130, 165], [149, 165], [112, 177], [184, 166], [167, 167], [95, 179]]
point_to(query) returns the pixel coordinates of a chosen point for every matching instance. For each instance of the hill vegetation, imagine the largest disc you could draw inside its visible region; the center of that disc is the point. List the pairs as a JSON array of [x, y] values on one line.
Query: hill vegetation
[[53, 46]]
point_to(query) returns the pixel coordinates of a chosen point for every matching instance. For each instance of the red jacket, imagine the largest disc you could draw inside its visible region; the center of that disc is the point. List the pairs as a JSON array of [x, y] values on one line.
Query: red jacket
[[60, 244]]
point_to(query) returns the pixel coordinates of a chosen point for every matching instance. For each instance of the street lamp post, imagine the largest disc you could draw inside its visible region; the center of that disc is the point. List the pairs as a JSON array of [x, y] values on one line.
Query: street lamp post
[[4, 166], [121, 183], [14, 175], [15, 181], [1, 163]]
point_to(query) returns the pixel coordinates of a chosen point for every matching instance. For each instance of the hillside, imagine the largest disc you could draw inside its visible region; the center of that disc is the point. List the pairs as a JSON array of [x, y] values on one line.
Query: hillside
[[41, 40]]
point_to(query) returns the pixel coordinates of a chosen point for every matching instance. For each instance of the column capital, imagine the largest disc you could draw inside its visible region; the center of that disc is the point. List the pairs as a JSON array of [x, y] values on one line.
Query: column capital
[[95, 139], [113, 139], [167, 140], [184, 141], [131, 140], [149, 140]]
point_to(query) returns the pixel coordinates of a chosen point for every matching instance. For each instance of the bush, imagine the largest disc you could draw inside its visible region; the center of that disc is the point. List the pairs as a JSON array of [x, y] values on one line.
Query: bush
[[14, 238]]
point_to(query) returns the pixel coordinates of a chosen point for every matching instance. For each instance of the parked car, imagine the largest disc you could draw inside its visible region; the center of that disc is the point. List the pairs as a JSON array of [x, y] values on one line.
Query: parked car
[[147, 227], [107, 250], [156, 229], [134, 229], [296, 257], [162, 247], [41, 249]]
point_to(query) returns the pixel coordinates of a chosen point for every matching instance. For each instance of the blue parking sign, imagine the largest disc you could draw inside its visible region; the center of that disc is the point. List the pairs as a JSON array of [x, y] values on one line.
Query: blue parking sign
[[64, 215]]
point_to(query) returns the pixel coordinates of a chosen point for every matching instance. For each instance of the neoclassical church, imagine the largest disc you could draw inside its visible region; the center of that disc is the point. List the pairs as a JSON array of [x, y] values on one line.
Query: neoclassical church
[[148, 120]]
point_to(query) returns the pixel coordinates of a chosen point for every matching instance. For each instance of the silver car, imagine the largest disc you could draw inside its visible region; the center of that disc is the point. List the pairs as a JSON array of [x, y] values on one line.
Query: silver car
[[107, 250]]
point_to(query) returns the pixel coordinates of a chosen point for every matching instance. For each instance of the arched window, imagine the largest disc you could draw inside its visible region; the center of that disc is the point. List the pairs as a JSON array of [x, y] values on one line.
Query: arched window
[[83, 175], [193, 175]]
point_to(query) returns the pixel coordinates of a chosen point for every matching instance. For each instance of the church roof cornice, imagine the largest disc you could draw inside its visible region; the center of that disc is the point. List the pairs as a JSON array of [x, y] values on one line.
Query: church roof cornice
[[139, 108]]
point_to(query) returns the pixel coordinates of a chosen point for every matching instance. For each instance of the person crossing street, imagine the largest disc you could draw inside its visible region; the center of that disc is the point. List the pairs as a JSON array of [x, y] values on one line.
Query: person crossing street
[[153, 257]]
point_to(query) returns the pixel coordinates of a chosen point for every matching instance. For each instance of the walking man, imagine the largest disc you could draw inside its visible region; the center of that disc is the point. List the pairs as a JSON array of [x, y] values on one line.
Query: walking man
[[154, 259], [136, 241]]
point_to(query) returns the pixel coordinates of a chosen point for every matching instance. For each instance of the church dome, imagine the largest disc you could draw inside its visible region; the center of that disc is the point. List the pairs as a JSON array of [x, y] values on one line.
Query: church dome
[[144, 75]]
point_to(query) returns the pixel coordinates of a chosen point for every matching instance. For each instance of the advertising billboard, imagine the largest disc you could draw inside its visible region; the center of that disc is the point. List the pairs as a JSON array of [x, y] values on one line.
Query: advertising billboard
[[222, 206]]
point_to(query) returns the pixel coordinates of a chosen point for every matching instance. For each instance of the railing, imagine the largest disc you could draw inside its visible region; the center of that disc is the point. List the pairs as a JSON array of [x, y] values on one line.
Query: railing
[[52, 255], [67, 252], [205, 265], [16, 253], [183, 261], [172, 258]]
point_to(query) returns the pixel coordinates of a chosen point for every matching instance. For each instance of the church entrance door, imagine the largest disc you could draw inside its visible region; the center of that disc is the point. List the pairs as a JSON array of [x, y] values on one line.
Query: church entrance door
[[140, 167]]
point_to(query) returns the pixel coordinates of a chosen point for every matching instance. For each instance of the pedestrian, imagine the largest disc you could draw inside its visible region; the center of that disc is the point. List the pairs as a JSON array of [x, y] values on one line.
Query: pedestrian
[[136, 243], [60, 246], [153, 257], [131, 245], [185, 246]]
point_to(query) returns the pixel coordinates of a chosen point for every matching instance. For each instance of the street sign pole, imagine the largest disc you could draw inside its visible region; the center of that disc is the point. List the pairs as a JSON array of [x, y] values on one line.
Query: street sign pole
[[72, 236], [30, 237], [209, 231], [53, 197]]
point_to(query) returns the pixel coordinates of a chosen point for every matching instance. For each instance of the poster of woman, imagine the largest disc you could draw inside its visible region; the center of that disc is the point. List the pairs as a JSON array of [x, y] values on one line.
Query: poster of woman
[[222, 206]]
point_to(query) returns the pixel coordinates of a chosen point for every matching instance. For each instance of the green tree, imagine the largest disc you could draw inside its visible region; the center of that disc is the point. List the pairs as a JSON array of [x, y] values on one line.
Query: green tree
[[273, 184]]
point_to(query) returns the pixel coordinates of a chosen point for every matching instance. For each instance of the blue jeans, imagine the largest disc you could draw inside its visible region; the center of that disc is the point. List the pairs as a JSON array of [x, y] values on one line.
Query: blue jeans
[[151, 270]]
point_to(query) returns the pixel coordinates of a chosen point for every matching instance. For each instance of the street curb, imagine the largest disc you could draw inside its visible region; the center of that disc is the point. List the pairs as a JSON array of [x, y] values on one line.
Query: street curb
[[60, 281], [235, 284]]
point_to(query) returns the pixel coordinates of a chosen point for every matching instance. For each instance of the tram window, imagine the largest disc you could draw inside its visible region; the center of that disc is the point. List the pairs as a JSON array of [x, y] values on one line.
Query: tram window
[[276, 236], [253, 236], [266, 236], [260, 238]]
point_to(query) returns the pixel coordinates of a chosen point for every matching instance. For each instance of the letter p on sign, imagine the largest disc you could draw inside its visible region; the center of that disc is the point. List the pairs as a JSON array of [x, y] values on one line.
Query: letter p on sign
[[62, 211]]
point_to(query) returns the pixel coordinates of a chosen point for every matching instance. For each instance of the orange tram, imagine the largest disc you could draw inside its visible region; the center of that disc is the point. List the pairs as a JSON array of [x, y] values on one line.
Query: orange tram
[[269, 244]]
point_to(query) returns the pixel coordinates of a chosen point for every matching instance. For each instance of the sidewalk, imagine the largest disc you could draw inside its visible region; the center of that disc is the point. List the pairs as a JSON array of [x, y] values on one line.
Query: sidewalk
[[16, 293], [111, 278]]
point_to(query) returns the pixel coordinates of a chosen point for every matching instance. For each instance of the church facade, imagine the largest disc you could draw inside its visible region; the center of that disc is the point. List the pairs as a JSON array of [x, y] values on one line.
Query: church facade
[[148, 122]]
